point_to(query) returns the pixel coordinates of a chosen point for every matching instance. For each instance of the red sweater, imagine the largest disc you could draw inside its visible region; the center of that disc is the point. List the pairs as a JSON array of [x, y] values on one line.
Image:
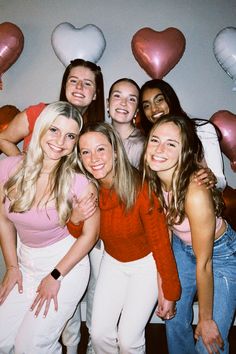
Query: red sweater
[[132, 235]]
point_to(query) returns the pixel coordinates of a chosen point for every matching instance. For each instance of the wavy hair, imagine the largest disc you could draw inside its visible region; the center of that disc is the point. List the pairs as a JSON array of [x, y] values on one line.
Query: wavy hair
[[96, 110], [189, 162], [127, 179], [23, 182]]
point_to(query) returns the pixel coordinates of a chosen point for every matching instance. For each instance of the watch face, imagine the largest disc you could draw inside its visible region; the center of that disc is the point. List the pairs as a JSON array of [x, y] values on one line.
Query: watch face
[[55, 274]]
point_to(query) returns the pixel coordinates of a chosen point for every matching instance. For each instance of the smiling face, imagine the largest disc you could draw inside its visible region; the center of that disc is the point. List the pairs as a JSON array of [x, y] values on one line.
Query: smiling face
[[154, 104], [163, 150], [123, 102], [60, 138], [97, 156], [81, 87]]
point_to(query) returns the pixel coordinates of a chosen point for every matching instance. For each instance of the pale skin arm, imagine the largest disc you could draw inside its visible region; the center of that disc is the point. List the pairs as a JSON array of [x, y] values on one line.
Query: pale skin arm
[[200, 212], [17, 130], [13, 275], [48, 288]]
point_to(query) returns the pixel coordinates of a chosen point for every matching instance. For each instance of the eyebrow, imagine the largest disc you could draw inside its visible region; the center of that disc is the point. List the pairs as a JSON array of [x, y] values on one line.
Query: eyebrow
[[159, 94], [175, 141], [55, 126], [76, 77], [130, 94]]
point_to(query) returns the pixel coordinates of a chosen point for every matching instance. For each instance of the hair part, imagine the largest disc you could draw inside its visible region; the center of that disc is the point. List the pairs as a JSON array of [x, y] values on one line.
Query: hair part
[[127, 180], [171, 99], [95, 112]]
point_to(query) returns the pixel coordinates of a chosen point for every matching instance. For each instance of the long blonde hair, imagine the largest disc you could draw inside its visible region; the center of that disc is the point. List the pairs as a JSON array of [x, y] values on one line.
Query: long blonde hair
[[23, 182], [127, 181]]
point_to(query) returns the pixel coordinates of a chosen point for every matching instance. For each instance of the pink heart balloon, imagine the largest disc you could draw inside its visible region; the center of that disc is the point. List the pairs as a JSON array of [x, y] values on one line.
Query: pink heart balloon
[[226, 122], [158, 52], [11, 45]]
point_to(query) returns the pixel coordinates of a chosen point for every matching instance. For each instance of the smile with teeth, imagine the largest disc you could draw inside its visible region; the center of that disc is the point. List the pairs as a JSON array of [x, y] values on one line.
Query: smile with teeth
[[158, 158], [157, 115], [77, 95], [55, 148], [122, 110], [97, 167]]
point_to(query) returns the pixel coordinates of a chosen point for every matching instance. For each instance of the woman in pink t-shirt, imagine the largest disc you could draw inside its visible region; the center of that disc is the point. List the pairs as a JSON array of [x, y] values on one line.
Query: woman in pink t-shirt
[[36, 196]]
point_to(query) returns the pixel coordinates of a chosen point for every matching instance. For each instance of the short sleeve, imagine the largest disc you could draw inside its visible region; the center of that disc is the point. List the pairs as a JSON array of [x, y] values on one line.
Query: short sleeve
[[7, 167]]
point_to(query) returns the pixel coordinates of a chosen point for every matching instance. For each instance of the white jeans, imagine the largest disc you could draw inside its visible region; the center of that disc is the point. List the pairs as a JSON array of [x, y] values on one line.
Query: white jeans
[[125, 296], [21, 332], [71, 333]]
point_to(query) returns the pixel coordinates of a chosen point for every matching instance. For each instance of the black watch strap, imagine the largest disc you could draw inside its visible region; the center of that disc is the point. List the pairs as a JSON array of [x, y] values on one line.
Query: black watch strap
[[56, 274]]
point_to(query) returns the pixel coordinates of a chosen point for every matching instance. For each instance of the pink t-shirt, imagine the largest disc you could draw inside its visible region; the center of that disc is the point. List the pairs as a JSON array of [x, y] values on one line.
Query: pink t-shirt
[[38, 227]]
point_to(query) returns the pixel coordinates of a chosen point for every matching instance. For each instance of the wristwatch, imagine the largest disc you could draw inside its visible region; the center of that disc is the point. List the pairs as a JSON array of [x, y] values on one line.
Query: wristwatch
[[56, 274]]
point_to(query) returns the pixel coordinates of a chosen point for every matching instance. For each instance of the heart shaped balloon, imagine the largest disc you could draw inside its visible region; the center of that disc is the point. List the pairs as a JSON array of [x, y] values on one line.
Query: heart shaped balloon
[[69, 42], [226, 122], [224, 48], [11, 45], [229, 213], [158, 52]]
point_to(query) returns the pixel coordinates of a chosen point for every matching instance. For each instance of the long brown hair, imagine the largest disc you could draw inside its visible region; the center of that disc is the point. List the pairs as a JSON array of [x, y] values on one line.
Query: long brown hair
[[190, 160], [96, 110]]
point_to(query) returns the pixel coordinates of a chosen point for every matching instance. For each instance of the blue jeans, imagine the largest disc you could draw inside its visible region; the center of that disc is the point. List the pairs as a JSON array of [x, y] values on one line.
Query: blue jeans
[[179, 331]]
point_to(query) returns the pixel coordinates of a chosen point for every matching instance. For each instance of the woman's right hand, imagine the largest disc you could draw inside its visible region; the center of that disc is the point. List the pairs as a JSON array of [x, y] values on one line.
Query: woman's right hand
[[83, 208], [12, 277], [211, 337]]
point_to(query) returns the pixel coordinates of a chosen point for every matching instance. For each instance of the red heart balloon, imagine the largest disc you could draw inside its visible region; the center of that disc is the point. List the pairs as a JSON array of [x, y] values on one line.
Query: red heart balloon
[[229, 196], [11, 45], [158, 52], [226, 122]]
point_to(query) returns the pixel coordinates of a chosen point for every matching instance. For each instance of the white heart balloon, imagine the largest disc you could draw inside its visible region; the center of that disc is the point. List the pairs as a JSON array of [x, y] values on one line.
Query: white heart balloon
[[225, 51], [69, 42]]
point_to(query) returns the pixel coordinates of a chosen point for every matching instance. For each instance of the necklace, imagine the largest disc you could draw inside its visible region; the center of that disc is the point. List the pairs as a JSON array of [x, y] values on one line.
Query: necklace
[[130, 133]]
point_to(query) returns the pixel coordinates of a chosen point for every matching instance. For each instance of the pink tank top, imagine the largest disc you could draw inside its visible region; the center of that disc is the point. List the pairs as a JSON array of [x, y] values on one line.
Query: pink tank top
[[183, 230]]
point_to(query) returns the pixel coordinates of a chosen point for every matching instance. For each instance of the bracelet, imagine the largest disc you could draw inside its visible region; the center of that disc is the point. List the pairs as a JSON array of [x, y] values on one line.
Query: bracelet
[[12, 267]]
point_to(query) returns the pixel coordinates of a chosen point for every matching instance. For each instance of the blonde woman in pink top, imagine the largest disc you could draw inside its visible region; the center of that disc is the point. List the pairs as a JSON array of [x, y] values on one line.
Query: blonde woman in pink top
[[204, 244], [48, 274]]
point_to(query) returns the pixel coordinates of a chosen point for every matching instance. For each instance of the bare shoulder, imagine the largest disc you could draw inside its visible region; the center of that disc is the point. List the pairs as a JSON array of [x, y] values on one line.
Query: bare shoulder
[[197, 195]]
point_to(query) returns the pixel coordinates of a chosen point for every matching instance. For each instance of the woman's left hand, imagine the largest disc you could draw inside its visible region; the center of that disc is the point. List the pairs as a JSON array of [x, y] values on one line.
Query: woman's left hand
[[166, 309], [46, 292], [206, 176], [211, 337]]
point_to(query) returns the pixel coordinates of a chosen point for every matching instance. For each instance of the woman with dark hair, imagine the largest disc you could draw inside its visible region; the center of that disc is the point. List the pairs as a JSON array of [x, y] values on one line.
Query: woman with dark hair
[[82, 86], [203, 243], [158, 98], [91, 107]]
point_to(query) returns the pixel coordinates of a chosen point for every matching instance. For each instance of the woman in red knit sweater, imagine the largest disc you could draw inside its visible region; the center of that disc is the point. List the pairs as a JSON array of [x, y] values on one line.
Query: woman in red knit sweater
[[138, 257]]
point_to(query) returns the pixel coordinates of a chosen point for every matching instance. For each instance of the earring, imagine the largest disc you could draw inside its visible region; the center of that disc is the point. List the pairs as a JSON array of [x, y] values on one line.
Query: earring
[[134, 119]]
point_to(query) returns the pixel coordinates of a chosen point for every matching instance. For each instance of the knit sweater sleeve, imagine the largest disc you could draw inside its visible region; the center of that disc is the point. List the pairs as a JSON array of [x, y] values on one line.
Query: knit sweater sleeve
[[75, 230], [156, 229]]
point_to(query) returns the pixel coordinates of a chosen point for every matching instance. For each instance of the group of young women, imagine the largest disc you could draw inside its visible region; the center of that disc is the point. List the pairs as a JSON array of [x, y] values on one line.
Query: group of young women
[[148, 196]]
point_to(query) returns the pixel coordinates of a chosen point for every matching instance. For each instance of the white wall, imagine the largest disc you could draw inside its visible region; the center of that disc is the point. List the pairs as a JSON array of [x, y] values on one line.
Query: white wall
[[201, 84]]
